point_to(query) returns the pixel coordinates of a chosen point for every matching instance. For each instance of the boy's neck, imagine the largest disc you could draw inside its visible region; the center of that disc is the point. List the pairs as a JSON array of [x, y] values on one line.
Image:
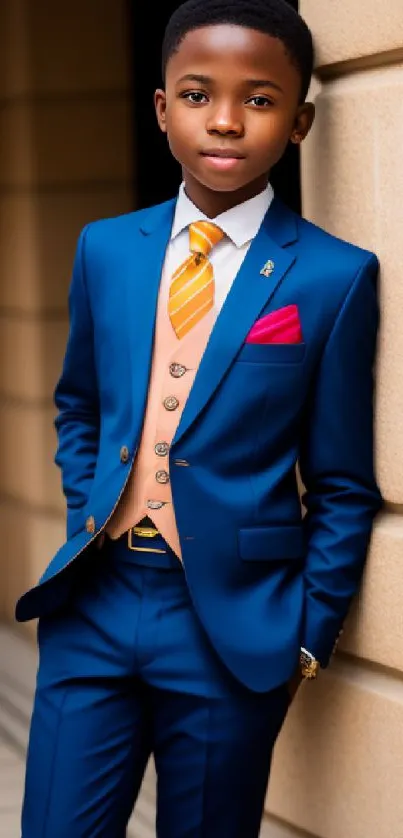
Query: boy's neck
[[213, 203]]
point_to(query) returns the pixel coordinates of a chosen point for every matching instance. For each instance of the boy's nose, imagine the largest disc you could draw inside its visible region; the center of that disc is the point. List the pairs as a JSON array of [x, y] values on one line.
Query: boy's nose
[[224, 121]]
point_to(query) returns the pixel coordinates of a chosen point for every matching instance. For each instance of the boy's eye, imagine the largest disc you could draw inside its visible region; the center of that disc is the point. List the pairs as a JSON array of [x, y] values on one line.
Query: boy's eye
[[260, 101], [194, 96]]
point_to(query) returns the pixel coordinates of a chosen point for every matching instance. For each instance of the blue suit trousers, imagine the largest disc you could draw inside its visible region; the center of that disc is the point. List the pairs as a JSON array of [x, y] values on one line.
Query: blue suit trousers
[[126, 671]]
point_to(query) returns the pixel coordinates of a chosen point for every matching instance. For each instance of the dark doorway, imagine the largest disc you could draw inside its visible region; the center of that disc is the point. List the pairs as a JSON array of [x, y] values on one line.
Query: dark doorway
[[157, 174]]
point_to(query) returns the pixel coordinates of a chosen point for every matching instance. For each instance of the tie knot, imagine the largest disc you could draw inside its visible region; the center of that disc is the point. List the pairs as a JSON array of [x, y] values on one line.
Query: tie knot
[[203, 236]]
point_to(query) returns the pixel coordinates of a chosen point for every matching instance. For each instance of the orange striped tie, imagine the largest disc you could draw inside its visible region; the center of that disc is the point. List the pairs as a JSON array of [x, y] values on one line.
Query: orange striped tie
[[191, 294]]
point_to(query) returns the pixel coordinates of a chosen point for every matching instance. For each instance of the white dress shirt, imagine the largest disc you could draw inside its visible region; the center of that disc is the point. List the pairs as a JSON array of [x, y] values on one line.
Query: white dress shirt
[[240, 225]]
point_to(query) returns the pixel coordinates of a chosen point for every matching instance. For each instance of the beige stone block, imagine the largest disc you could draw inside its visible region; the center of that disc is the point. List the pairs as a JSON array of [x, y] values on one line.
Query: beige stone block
[[76, 45], [352, 186], [47, 143], [374, 629], [338, 765], [272, 828], [351, 29], [32, 353], [38, 235], [30, 539], [27, 446], [70, 45], [14, 58]]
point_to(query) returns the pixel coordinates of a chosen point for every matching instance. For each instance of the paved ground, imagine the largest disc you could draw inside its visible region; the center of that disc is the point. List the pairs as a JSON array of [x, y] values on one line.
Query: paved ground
[[17, 677], [11, 778]]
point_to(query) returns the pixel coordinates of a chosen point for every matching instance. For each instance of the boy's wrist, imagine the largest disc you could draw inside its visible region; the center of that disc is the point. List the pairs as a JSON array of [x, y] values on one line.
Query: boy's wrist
[[309, 665]]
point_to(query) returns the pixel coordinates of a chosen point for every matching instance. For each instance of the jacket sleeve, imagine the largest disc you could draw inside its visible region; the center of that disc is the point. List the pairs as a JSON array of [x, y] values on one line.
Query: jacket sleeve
[[337, 466], [76, 398]]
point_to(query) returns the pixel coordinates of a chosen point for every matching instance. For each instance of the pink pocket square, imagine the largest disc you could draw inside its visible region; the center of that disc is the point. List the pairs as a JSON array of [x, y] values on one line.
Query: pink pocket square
[[282, 326]]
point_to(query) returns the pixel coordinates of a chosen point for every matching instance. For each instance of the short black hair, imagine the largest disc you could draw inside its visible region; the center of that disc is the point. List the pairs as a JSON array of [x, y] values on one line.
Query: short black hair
[[276, 18]]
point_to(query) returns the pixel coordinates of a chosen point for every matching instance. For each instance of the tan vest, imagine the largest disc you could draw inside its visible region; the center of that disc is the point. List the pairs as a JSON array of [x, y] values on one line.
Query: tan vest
[[150, 469]]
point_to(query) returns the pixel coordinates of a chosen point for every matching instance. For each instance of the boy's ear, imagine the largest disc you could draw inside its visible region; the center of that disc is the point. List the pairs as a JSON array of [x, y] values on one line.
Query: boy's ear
[[160, 102], [303, 122]]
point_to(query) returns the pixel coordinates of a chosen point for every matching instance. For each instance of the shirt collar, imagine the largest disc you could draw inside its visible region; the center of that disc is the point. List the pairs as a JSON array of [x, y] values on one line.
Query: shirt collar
[[240, 224]]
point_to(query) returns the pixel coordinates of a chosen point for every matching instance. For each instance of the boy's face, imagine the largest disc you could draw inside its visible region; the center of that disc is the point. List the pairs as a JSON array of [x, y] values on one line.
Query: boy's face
[[230, 106]]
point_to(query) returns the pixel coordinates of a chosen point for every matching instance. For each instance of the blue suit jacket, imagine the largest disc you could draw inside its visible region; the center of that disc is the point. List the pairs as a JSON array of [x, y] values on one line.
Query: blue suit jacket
[[264, 580]]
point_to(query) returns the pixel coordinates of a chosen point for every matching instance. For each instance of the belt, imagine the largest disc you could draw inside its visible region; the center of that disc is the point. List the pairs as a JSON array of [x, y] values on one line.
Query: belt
[[144, 529], [133, 547]]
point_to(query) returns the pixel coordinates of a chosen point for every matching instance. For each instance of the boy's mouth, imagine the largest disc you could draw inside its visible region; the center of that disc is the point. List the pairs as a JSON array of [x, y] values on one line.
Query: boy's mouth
[[223, 153], [222, 158]]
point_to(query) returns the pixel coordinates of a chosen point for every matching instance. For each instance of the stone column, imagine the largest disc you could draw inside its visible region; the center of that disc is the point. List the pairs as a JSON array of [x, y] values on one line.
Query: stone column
[[338, 770], [65, 159]]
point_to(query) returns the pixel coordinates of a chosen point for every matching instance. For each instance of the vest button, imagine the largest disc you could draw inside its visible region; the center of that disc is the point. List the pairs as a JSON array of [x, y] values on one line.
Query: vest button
[[162, 476], [90, 525], [177, 370], [171, 403], [124, 454], [155, 504], [161, 449]]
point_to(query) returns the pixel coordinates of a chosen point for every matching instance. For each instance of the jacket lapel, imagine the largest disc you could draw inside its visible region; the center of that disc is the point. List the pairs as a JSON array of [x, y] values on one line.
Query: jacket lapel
[[145, 259], [249, 293]]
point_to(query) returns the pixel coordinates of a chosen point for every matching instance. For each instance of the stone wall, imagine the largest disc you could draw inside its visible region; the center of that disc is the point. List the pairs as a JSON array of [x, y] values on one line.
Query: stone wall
[[338, 769], [65, 158]]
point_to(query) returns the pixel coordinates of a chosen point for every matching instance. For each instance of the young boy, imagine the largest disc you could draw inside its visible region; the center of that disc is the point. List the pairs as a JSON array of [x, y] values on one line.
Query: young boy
[[216, 340]]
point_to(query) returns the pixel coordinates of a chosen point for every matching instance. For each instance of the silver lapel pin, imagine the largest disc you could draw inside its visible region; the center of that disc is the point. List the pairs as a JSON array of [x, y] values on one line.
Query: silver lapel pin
[[268, 268]]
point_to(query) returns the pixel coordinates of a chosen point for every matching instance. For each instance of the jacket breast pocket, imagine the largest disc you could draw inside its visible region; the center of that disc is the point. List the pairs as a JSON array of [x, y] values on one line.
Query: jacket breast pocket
[[272, 353], [266, 544]]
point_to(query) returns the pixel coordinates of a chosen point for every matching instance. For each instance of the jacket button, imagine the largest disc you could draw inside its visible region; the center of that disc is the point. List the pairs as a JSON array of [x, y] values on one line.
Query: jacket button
[[124, 454], [90, 524]]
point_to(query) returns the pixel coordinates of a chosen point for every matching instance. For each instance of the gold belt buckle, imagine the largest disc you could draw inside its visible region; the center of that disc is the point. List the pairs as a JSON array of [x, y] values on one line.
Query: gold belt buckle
[[144, 532]]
